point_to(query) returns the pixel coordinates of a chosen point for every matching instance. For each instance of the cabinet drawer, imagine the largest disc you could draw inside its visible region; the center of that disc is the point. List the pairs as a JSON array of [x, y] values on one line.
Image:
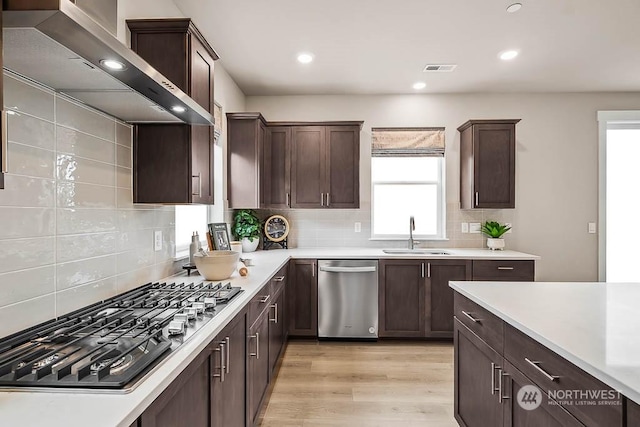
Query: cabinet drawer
[[504, 270], [553, 373], [259, 303], [484, 324], [278, 281]]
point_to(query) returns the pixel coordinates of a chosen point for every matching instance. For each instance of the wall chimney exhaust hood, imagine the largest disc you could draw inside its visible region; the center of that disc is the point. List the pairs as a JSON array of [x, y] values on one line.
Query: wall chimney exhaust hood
[[58, 44]]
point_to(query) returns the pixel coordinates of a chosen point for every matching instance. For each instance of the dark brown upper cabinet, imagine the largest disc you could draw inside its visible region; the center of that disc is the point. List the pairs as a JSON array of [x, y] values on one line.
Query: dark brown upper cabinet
[[488, 164], [173, 163], [292, 164]]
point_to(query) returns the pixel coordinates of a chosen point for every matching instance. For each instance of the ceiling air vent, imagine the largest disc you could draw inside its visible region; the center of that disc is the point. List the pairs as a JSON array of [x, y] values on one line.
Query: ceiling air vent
[[439, 68]]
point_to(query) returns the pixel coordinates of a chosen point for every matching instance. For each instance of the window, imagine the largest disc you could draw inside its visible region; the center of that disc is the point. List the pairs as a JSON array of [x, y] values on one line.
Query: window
[[407, 180], [190, 218]]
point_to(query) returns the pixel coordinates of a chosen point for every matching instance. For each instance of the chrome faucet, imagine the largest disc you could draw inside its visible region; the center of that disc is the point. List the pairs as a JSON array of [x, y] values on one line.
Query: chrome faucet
[[412, 227]]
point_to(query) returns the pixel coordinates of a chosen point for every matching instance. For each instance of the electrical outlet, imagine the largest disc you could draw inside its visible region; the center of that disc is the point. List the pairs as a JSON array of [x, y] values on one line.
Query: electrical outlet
[[508, 224], [157, 240], [358, 227], [474, 227], [592, 228], [464, 227]]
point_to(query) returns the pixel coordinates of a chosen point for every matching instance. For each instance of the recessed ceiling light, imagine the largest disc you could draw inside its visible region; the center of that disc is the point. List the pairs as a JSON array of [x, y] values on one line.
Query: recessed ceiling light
[[305, 58], [112, 64], [178, 109], [419, 85], [512, 8], [508, 55]]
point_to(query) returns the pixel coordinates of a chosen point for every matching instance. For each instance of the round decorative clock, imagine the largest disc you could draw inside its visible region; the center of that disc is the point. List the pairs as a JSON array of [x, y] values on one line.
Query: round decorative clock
[[276, 230]]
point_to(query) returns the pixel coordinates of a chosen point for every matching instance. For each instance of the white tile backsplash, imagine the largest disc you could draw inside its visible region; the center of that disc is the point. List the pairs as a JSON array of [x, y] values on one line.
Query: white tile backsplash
[[70, 234]]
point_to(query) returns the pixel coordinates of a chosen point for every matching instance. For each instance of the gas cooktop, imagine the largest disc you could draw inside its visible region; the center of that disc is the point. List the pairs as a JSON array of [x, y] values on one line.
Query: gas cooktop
[[110, 345]]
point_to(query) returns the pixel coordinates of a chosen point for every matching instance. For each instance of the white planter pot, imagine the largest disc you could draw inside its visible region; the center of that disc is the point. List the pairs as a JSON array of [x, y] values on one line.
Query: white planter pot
[[250, 246], [495, 244]]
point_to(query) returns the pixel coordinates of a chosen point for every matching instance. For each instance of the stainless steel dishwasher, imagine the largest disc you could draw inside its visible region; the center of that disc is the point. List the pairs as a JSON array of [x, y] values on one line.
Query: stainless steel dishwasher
[[348, 298]]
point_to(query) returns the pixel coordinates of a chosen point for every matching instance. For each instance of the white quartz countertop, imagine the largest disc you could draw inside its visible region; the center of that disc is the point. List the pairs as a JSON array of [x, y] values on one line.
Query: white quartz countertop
[[593, 325], [82, 408]]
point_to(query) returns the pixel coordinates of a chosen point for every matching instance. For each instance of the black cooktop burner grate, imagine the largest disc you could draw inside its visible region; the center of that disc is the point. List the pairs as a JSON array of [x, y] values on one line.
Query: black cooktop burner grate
[[109, 344]]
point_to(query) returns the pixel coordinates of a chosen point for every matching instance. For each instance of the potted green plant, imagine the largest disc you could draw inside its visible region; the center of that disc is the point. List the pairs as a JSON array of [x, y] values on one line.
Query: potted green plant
[[247, 228], [494, 231]]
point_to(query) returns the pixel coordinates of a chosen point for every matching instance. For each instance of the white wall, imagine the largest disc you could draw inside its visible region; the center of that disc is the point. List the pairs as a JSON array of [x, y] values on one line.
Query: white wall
[[556, 170]]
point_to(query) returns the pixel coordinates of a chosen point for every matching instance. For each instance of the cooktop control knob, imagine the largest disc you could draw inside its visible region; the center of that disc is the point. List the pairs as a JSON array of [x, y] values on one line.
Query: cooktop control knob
[[209, 302], [199, 306], [191, 312], [181, 317], [177, 327]]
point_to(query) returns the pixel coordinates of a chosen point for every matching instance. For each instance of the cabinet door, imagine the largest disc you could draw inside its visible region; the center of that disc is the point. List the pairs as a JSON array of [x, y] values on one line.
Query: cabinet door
[[202, 165], [229, 393], [201, 75], [187, 401], [258, 373], [276, 330], [494, 151], [401, 298], [476, 367], [439, 321], [308, 167], [162, 164], [302, 293], [343, 167], [276, 168], [548, 414]]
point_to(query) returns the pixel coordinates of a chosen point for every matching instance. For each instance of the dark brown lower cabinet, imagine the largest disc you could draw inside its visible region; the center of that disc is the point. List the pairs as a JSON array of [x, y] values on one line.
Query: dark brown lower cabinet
[[633, 413], [302, 295], [475, 400], [439, 318], [229, 366], [401, 298], [258, 365], [277, 329], [187, 401]]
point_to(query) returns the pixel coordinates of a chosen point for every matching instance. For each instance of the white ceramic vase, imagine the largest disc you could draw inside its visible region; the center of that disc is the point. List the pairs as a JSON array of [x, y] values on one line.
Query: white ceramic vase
[[495, 244], [250, 246]]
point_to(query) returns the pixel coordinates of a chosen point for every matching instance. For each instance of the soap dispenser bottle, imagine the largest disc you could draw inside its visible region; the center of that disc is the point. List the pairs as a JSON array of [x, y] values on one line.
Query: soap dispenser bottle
[[193, 248]]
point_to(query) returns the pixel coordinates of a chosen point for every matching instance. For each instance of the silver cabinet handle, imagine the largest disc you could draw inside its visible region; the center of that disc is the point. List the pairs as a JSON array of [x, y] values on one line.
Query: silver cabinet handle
[[542, 371], [278, 279], [288, 202], [257, 353], [275, 313], [477, 198], [428, 269], [328, 204], [422, 270], [265, 299], [199, 176], [321, 199], [347, 269], [228, 351], [501, 396], [222, 366], [473, 319], [5, 142], [313, 270], [493, 378], [505, 268]]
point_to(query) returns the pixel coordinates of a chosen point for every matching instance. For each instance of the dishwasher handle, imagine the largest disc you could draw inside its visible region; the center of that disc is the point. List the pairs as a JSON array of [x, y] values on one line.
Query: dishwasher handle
[[328, 269]]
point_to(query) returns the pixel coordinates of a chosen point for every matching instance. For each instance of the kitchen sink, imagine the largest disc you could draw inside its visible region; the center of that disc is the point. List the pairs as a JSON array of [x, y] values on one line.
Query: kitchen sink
[[416, 251]]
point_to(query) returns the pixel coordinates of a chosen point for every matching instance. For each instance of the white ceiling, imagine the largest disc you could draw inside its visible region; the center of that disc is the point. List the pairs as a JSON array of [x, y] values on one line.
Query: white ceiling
[[381, 46]]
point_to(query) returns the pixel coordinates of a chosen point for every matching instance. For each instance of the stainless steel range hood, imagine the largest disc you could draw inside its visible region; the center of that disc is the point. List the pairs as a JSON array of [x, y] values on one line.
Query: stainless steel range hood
[[58, 44]]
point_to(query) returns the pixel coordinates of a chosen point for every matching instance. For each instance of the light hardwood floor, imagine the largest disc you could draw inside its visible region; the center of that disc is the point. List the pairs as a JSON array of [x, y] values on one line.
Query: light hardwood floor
[[383, 384]]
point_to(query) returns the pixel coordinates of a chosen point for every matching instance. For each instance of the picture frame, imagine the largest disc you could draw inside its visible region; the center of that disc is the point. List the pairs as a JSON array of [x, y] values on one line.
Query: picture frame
[[220, 236]]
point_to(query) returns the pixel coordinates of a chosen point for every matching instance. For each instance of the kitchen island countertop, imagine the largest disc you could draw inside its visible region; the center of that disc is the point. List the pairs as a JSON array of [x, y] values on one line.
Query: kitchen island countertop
[[593, 325], [82, 408]]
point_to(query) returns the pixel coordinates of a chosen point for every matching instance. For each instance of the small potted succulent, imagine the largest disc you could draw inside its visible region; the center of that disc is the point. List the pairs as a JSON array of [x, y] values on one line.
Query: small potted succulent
[[494, 231], [247, 228]]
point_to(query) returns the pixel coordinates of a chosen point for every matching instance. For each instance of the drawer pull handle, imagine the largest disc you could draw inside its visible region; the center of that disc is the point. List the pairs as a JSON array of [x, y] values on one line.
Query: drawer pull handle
[[505, 268], [473, 319], [542, 371], [228, 341], [278, 279], [265, 299]]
